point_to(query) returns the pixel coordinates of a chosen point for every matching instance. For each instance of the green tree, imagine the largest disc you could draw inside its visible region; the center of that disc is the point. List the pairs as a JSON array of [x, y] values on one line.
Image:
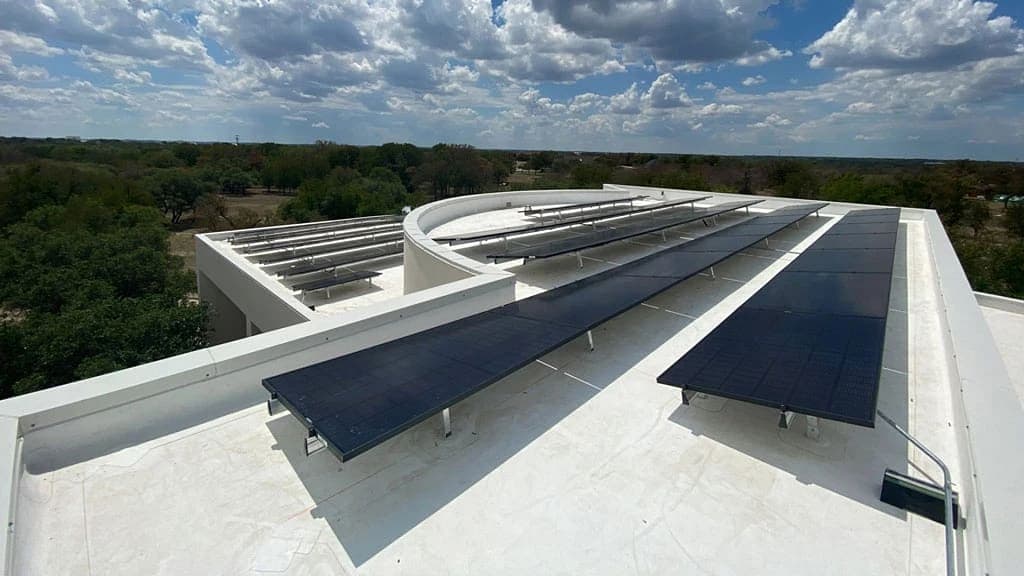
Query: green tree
[[176, 192], [977, 214]]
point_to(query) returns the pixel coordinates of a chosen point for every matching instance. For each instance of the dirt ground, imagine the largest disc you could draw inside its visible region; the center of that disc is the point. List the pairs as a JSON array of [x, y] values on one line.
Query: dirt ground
[[264, 204]]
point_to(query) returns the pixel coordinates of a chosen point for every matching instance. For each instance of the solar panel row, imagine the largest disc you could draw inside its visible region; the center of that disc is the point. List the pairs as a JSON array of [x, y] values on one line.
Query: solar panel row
[[618, 232], [811, 340], [359, 400], [331, 262], [564, 223], [320, 237], [293, 231], [530, 211], [332, 245], [342, 277]]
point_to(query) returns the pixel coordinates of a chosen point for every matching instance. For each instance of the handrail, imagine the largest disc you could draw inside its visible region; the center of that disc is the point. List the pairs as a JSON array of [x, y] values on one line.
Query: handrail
[[947, 485]]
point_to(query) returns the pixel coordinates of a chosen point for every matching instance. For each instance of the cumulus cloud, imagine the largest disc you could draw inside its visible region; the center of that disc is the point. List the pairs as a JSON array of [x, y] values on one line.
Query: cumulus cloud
[[916, 35], [753, 80], [320, 125], [696, 31], [707, 86], [772, 120], [765, 56], [665, 92]]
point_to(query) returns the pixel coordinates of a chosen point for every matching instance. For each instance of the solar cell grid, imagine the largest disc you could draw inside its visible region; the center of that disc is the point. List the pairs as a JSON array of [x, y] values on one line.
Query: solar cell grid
[[811, 340]]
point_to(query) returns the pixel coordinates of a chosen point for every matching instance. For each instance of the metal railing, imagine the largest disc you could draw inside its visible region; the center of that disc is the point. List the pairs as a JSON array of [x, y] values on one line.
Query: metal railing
[[947, 485]]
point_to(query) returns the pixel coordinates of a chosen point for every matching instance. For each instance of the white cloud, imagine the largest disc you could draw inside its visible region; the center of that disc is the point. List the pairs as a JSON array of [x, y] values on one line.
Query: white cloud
[[765, 56], [707, 86], [665, 92], [772, 120], [916, 35], [753, 80], [320, 125]]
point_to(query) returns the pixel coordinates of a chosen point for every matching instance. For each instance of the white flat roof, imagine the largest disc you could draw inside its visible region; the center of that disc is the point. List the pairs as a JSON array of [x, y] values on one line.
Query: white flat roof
[[578, 463]]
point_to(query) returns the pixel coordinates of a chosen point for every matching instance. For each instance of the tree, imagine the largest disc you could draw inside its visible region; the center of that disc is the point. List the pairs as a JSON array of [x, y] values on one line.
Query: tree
[[177, 192], [94, 289], [1015, 219], [977, 214]]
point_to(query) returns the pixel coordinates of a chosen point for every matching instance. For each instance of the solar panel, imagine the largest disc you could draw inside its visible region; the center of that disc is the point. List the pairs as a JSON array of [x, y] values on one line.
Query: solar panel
[[331, 262], [565, 222], [811, 340], [359, 400], [583, 205], [329, 247], [321, 236], [604, 236], [338, 279], [262, 235]]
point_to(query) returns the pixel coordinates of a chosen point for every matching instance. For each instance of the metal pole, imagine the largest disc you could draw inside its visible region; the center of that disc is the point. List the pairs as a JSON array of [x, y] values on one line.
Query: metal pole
[[947, 485]]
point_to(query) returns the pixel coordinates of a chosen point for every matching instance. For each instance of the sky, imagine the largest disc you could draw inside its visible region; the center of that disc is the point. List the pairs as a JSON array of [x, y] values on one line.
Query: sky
[[899, 78]]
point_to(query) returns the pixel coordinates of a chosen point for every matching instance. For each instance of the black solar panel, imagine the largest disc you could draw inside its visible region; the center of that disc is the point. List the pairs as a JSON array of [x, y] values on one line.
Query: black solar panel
[[357, 401], [811, 340], [604, 236]]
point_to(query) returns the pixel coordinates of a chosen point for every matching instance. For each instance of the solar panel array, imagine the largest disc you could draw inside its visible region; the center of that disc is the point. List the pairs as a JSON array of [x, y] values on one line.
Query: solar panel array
[[263, 235], [320, 237], [581, 206], [364, 239], [331, 262], [359, 400], [811, 340], [339, 278], [565, 222], [618, 232]]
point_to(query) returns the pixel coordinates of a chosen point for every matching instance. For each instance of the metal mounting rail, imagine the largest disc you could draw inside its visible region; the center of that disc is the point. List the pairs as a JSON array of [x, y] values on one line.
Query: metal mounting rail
[[947, 485]]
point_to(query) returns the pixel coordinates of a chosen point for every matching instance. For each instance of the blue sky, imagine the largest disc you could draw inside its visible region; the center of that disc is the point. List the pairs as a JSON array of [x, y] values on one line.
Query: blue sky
[[903, 78]]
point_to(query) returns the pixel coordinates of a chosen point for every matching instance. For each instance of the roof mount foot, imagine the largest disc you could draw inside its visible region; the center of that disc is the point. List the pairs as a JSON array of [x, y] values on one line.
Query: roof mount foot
[[813, 429]]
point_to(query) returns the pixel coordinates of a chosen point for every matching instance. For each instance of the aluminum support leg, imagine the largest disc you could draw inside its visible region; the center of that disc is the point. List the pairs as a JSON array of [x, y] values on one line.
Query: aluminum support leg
[[590, 340], [579, 257], [785, 418], [446, 421], [713, 277], [687, 396]]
